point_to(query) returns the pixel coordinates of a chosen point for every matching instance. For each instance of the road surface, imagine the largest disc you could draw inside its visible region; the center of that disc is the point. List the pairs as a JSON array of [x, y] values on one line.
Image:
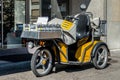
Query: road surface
[[21, 71]]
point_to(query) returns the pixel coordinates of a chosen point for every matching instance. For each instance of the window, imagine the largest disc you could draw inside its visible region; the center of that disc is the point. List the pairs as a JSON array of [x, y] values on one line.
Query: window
[[13, 13], [48, 8]]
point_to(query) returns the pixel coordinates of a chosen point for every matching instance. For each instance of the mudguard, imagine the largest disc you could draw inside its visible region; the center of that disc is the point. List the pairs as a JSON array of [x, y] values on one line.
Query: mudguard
[[96, 46]]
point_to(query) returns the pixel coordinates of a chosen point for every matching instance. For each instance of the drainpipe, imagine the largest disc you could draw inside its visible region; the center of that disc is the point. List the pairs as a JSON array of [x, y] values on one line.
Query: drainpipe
[[105, 10], [27, 11], [2, 22], [106, 18]]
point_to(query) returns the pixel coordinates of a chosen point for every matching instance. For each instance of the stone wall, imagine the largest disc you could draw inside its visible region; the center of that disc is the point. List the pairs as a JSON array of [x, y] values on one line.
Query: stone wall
[[105, 9], [94, 6], [113, 28]]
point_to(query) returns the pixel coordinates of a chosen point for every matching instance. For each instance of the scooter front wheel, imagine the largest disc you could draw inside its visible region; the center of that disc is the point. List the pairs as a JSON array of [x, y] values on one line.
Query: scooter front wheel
[[41, 62]]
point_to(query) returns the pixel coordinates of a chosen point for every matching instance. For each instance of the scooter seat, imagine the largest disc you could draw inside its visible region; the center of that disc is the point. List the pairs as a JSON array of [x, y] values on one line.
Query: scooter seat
[[82, 36], [82, 26]]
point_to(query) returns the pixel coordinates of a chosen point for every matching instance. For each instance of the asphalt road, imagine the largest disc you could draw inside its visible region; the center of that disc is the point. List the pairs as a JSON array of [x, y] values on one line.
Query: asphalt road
[[20, 70]]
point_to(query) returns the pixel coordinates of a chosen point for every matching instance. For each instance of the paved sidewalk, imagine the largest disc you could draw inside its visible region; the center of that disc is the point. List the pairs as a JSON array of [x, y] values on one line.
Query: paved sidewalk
[[21, 71]]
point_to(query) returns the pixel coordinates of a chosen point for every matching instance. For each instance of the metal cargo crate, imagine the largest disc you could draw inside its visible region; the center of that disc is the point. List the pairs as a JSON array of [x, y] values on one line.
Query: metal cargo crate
[[42, 32], [41, 35]]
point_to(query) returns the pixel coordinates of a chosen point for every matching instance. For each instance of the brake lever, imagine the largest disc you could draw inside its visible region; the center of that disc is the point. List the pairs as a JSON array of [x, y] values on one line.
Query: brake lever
[[76, 18]]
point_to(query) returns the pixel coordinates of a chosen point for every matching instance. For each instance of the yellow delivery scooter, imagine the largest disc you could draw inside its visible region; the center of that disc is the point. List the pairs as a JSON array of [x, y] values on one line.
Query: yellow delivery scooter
[[73, 41]]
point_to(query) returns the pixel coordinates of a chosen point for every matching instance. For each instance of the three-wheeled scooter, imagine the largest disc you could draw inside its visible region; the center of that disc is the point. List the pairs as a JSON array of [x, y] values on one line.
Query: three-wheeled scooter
[[72, 41]]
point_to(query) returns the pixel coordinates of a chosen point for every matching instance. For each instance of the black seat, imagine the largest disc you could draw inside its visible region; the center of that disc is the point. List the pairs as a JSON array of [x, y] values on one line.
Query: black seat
[[82, 26]]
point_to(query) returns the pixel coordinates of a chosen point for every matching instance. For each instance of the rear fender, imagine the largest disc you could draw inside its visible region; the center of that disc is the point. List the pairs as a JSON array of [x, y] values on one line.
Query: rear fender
[[96, 46]]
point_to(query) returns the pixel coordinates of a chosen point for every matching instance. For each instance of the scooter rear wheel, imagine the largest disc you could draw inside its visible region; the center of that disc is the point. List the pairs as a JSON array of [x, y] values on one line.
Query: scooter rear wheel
[[101, 56], [41, 62]]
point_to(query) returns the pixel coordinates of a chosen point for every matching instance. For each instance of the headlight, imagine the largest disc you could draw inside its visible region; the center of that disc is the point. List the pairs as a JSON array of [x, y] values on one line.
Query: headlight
[[30, 45]]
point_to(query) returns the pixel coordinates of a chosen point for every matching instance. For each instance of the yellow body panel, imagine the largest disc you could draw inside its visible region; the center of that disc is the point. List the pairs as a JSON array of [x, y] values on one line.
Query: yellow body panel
[[64, 55], [66, 25], [80, 52]]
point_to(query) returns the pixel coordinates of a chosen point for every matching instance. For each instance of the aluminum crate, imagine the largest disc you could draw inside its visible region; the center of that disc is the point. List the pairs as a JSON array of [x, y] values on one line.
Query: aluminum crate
[[42, 32]]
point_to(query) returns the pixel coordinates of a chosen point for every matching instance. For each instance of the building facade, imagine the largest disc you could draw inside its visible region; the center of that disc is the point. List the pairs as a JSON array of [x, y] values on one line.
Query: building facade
[[27, 11], [109, 10]]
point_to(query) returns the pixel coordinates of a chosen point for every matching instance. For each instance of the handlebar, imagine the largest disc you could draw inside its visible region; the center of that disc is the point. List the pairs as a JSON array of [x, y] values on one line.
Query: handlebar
[[71, 17], [90, 14]]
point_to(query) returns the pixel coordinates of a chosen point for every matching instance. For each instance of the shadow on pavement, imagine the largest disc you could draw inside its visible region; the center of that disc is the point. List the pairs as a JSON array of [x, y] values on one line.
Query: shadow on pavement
[[21, 63], [73, 68], [14, 64]]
